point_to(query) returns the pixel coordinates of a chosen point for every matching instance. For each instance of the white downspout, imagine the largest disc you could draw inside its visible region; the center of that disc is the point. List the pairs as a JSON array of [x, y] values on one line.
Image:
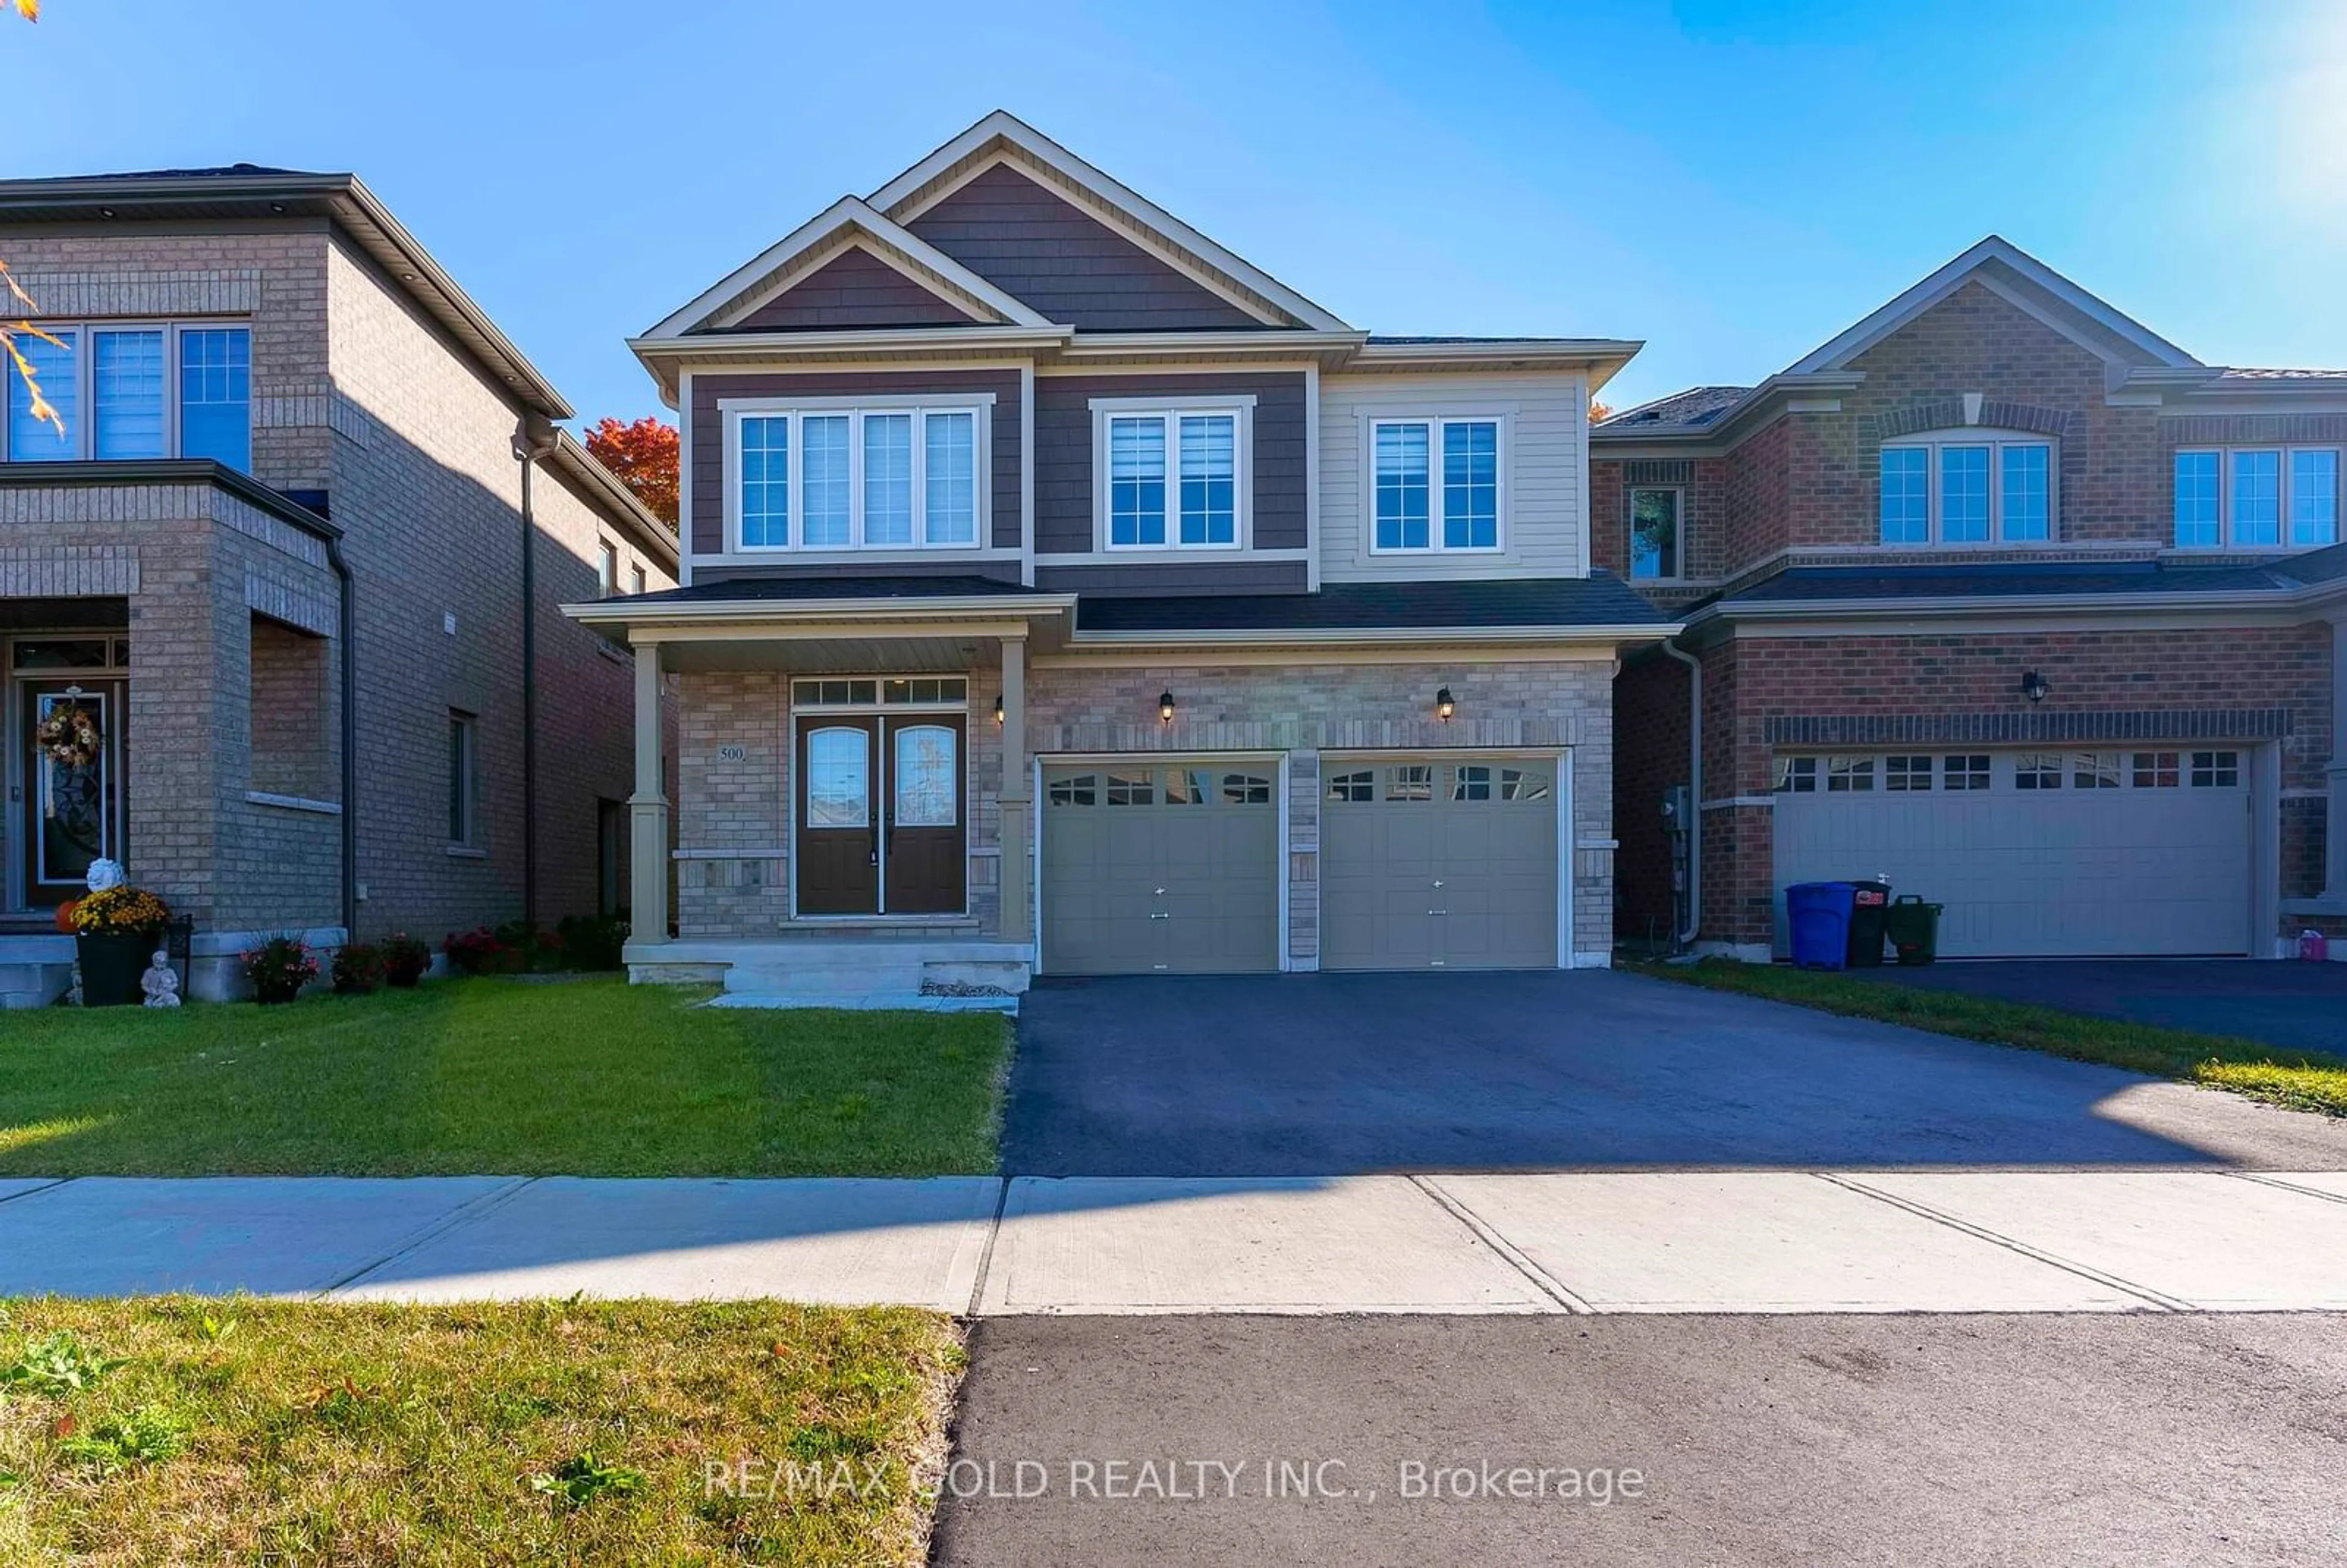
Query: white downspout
[[1694, 790]]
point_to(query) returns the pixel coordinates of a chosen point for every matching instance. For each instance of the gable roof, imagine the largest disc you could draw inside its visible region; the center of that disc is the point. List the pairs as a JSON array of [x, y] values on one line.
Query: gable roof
[[1001, 137], [846, 222], [2008, 270], [1697, 408]]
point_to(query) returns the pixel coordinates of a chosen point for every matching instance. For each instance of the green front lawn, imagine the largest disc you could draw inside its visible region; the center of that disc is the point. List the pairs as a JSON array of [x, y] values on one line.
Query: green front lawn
[[591, 1078], [2304, 1081], [176, 1430]]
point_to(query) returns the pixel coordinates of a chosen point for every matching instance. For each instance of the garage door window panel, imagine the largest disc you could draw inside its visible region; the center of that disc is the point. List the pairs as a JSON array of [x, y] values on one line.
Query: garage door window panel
[[1246, 789], [1523, 784], [2216, 770], [1795, 775], [2094, 770], [1359, 787], [1079, 790], [1471, 781], [1410, 781], [1906, 775], [1965, 771], [2037, 771], [1132, 789], [2158, 770], [1850, 776]]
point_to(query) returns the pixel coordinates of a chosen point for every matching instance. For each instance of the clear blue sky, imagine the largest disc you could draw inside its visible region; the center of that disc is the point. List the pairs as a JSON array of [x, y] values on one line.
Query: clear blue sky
[[1732, 181]]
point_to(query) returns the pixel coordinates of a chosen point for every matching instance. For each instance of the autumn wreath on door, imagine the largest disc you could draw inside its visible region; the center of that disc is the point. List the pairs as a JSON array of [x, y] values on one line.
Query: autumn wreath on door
[[69, 736]]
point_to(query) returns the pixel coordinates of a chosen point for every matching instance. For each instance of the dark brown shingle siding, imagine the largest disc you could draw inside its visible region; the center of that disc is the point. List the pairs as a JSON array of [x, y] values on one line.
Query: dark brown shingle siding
[[854, 288], [1065, 264], [709, 431], [1063, 449]]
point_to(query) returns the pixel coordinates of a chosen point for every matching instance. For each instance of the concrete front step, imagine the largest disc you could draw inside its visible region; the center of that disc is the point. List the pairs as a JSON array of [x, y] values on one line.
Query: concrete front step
[[845, 965], [35, 970]]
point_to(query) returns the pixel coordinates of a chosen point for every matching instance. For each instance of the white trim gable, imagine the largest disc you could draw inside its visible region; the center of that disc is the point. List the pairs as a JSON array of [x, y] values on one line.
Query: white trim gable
[[1984, 262], [1002, 138], [848, 222]]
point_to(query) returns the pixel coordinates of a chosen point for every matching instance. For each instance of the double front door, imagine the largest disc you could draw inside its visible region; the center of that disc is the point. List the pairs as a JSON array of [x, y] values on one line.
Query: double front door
[[883, 814]]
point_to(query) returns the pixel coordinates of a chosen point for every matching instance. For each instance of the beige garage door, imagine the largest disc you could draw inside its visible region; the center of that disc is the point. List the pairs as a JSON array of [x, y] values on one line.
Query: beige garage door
[[1156, 867], [1439, 863], [2033, 853]]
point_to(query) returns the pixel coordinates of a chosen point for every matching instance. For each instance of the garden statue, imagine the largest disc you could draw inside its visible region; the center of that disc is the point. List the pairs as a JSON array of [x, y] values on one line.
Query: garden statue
[[162, 981], [104, 873]]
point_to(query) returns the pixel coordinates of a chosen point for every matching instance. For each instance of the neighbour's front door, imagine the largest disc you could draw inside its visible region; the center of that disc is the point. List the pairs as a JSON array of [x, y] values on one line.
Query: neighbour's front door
[[69, 807], [882, 809]]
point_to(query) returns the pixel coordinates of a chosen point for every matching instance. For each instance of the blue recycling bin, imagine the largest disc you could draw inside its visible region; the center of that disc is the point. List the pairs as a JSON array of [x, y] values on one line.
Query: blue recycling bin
[[1818, 914]]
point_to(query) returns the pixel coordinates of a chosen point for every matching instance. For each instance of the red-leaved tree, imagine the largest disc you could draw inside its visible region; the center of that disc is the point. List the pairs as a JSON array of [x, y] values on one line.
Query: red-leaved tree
[[644, 456], [12, 295]]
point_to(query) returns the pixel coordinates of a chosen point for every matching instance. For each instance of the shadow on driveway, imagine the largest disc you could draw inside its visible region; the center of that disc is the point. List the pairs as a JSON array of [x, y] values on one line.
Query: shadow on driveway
[[1337, 1074]]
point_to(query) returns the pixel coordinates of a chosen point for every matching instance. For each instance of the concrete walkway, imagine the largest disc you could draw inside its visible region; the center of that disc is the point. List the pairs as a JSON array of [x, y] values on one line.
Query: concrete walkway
[[1659, 1242]]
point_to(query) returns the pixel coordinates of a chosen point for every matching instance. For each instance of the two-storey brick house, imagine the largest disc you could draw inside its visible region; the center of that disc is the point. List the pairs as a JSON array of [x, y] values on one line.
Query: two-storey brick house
[[276, 553], [2003, 595], [1059, 589]]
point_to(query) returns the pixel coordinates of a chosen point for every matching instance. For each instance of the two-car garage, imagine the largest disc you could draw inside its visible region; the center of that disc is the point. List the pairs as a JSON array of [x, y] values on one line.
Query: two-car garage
[[1429, 861]]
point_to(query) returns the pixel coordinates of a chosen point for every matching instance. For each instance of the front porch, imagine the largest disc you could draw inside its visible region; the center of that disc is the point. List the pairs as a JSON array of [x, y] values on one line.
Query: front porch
[[850, 787], [170, 698]]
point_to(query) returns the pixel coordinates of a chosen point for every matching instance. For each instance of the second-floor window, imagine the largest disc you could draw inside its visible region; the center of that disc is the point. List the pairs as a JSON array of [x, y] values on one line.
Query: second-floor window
[[2256, 497], [136, 390], [1655, 533], [1968, 487], [838, 479], [1172, 477], [1435, 484]]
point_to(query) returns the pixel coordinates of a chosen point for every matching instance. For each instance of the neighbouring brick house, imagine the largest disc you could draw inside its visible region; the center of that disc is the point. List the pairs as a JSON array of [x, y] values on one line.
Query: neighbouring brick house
[[1060, 589], [2001, 594], [277, 553]]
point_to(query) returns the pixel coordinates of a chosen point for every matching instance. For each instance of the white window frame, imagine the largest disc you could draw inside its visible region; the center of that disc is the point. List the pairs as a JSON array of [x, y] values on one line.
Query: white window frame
[[1436, 425], [607, 568], [1996, 439], [980, 405], [85, 389], [2286, 453], [1171, 411], [1679, 533]]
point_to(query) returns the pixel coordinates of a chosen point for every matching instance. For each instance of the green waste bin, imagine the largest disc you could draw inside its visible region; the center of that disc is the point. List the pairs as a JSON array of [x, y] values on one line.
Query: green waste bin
[[1913, 927]]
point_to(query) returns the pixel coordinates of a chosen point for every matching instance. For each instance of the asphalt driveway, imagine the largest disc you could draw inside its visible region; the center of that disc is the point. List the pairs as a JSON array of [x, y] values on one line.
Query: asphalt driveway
[[1337, 1074], [2298, 1007]]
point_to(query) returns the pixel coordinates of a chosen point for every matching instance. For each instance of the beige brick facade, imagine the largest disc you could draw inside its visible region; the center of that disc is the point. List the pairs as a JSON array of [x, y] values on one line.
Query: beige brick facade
[[234, 767], [733, 817]]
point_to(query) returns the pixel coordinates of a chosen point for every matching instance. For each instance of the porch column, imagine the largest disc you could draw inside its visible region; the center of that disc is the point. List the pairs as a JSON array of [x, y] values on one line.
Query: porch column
[[648, 810], [1010, 877]]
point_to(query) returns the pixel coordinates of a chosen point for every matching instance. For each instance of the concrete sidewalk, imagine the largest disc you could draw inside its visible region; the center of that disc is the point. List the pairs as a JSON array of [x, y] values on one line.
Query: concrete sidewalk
[[1663, 1242]]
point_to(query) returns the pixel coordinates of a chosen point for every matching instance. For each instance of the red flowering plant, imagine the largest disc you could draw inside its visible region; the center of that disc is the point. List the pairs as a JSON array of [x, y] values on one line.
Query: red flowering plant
[[476, 951], [278, 969]]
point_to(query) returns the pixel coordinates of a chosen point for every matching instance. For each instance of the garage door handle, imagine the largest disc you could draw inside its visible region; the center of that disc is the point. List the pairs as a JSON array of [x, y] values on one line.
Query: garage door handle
[[1161, 915], [1438, 911]]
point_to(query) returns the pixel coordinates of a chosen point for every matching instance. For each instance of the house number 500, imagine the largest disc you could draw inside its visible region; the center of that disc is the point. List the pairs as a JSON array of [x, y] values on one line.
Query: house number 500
[[732, 753]]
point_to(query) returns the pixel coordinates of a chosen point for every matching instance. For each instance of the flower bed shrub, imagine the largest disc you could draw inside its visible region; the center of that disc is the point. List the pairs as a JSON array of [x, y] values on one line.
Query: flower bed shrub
[[278, 969], [477, 952], [592, 941], [358, 969], [404, 959]]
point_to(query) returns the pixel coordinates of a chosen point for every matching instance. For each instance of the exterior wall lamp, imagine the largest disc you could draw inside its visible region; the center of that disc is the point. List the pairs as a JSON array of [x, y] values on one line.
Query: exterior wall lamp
[[1444, 705], [997, 708], [2035, 686], [1165, 707]]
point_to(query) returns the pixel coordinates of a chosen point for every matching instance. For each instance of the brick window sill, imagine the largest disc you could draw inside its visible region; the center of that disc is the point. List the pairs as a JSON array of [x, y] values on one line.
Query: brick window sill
[[466, 852]]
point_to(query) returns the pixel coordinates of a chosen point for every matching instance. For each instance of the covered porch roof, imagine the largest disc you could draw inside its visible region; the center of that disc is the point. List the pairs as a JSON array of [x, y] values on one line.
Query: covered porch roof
[[851, 625]]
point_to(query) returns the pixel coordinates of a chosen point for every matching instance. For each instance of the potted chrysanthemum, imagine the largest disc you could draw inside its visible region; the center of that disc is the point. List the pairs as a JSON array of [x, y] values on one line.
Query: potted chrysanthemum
[[115, 931]]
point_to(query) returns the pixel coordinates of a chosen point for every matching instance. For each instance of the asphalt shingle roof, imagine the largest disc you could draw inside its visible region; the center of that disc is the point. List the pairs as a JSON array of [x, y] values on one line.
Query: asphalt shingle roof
[[1695, 409], [1599, 599], [1803, 585]]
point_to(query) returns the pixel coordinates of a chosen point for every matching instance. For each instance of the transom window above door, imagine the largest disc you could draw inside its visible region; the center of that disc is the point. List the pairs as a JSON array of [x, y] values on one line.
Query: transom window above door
[[881, 476], [1171, 476], [1968, 487], [131, 390], [1434, 484]]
